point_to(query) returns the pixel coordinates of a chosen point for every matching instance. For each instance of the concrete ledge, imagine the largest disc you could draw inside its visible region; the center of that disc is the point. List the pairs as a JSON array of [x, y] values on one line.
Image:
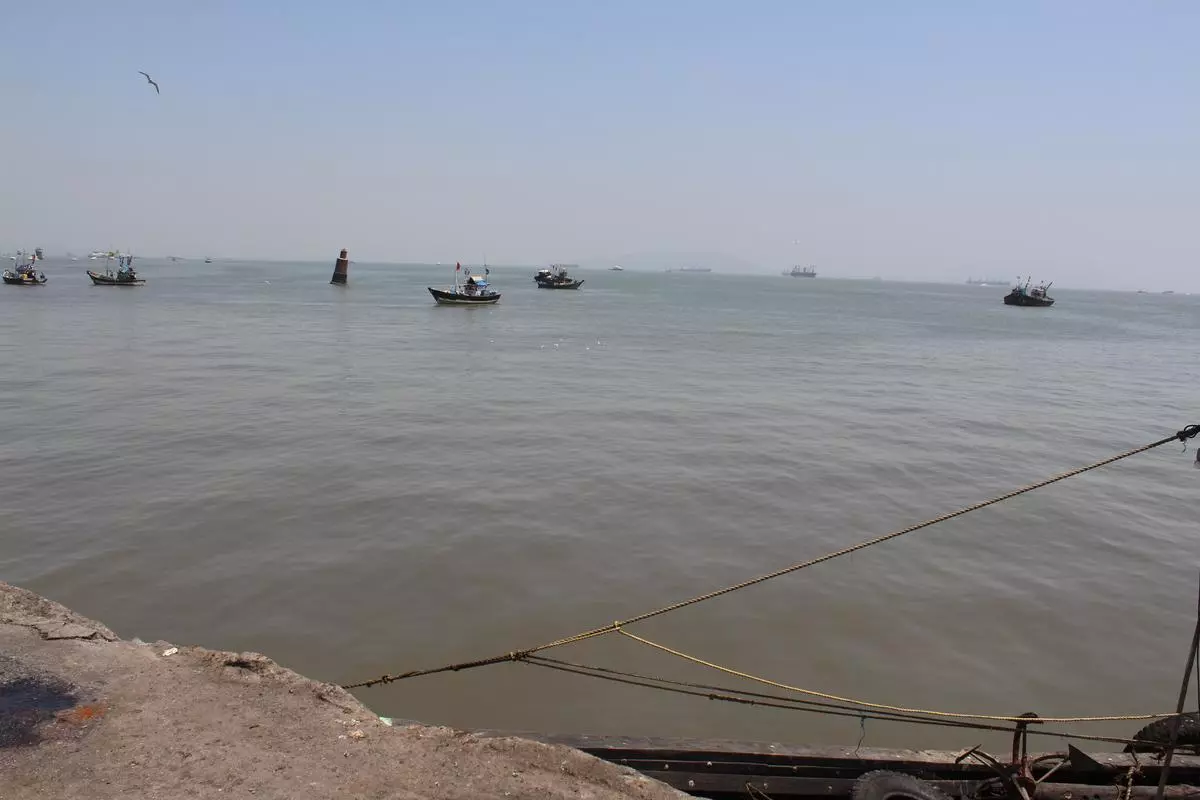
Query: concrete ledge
[[84, 714]]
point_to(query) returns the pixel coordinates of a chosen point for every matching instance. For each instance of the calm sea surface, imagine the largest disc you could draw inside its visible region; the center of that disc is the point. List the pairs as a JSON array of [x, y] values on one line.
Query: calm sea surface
[[355, 481]]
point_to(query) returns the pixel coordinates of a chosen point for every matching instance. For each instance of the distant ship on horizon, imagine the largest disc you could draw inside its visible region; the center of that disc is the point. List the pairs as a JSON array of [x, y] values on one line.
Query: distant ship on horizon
[[802, 272], [985, 282], [690, 269]]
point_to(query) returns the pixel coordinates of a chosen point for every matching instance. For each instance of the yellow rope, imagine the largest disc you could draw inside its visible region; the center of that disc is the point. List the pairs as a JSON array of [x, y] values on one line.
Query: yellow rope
[[880, 706], [1189, 432]]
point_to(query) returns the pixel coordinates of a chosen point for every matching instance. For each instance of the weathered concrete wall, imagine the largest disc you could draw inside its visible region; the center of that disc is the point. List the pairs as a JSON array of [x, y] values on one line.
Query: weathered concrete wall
[[84, 714]]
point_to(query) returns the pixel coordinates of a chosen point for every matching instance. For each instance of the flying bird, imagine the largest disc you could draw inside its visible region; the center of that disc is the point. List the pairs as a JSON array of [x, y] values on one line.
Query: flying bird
[[150, 81]]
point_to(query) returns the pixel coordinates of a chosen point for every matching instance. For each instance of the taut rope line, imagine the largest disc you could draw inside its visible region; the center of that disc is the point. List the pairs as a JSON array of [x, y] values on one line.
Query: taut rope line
[[1183, 435], [881, 706]]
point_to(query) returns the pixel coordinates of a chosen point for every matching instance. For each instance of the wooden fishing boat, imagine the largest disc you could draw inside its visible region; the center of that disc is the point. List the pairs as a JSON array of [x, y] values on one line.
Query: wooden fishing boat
[[124, 276], [556, 277], [476, 290], [24, 274], [115, 279], [1032, 297], [447, 297], [729, 769]]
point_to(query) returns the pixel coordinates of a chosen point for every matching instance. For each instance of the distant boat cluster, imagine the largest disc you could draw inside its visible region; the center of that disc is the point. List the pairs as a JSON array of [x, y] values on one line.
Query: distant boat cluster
[[24, 273], [477, 290], [467, 288]]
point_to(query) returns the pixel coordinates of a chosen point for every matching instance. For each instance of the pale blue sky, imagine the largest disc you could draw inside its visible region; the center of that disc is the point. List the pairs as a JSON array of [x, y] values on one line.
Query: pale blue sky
[[916, 139]]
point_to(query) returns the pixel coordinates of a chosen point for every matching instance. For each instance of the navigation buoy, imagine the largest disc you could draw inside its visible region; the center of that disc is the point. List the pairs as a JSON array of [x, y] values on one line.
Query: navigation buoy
[[341, 269]]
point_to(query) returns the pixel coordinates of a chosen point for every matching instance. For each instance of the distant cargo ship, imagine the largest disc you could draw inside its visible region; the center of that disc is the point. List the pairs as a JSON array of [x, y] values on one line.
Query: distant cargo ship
[[802, 272], [985, 282]]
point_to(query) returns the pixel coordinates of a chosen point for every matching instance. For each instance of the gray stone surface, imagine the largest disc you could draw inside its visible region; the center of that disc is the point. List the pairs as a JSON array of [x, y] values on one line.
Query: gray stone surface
[[84, 714]]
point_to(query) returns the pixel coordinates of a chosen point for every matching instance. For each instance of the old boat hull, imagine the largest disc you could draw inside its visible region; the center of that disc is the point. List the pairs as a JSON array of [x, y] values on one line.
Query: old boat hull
[[24, 280], [559, 285], [108, 280], [1014, 299], [450, 298], [725, 769]]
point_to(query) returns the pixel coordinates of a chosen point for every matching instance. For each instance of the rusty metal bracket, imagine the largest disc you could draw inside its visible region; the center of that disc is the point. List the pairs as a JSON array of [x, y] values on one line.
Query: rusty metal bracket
[[1016, 776], [1020, 748], [1009, 774]]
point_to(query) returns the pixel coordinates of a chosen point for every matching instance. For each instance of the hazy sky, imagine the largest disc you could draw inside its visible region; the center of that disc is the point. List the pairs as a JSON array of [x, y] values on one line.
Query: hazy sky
[[915, 139]]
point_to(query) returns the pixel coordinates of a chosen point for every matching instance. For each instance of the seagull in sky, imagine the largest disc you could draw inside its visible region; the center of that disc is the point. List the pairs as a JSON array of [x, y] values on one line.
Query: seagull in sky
[[150, 81]]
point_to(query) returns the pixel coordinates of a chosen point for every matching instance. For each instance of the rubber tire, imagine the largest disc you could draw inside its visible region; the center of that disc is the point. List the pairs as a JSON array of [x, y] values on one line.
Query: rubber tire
[[1159, 732], [887, 785]]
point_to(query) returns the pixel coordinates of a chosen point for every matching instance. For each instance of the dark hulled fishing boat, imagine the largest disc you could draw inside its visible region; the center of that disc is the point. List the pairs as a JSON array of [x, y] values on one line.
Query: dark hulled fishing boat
[[124, 276], [737, 769], [24, 274], [1024, 295], [475, 291], [556, 277]]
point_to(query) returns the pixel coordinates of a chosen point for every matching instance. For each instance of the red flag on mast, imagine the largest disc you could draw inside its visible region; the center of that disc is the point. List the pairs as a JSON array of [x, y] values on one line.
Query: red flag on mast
[[457, 266]]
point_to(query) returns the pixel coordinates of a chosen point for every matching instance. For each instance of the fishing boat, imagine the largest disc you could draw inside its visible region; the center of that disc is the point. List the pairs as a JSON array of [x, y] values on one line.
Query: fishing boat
[[24, 274], [476, 290], [723, 768], [556, 277], [207, 260], [124, 276], [1023, 294], [616, 268], [802, 272]]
